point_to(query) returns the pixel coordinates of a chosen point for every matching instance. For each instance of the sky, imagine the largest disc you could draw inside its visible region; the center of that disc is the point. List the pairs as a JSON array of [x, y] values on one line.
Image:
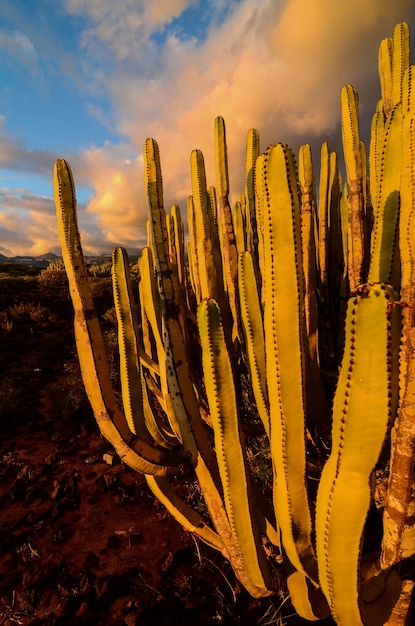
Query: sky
[[90, 80]]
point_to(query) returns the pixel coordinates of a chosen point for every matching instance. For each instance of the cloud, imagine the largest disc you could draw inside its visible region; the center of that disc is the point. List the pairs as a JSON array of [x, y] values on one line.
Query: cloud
[[16, 155], [124, 28], [107, 176], [28, 39], [23, 200], [21, 48], [27, 219], [27, 223], [117, 206], [277, 66]]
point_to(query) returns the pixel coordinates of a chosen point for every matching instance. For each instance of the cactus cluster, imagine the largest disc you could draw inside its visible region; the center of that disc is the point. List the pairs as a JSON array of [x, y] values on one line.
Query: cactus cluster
[[309, 299]]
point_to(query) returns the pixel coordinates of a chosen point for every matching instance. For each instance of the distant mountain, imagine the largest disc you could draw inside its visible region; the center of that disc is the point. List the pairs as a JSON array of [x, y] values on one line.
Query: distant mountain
[[43, 260]]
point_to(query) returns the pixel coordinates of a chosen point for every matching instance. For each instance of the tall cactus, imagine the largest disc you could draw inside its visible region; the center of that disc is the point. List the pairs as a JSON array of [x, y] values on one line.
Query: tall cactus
[[260, 304], [135, 451], [285, 348], [354, 168]]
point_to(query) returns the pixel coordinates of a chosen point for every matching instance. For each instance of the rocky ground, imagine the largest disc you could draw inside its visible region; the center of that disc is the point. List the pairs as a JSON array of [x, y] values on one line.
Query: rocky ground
[[82, 540]]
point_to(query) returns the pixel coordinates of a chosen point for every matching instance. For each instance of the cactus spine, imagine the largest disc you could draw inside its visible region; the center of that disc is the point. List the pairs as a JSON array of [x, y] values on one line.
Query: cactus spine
[[260, 303]]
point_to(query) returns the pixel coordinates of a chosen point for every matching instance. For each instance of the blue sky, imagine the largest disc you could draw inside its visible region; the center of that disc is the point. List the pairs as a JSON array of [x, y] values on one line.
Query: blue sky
[[89, 80]]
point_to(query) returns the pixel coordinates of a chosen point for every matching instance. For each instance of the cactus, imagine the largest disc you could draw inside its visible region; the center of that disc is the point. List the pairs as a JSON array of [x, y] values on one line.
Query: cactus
[[240, 505], [285, 350], [366, 379], [134, 451], [354, 168], [229, 244], [309, 303]]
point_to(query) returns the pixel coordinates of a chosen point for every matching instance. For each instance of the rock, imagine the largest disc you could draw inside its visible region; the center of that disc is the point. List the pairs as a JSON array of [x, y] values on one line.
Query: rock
[[109, 458]]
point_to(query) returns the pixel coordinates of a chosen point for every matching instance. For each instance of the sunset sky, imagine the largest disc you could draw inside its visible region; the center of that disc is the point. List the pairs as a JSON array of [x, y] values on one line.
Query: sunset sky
[[90, 80]]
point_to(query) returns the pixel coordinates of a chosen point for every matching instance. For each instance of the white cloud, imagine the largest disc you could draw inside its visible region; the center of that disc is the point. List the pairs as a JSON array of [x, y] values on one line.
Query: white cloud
[[15, 155], [21, 48], [27, 223], [118, 207], [124, 26], [274, 65]]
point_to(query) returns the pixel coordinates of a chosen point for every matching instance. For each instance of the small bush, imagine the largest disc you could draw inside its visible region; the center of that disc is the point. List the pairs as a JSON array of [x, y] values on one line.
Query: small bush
[[56, 266], [53, 278], [9, 397], [18, 270], [100, 271], [65, 397], [6, 324], [27, 311]]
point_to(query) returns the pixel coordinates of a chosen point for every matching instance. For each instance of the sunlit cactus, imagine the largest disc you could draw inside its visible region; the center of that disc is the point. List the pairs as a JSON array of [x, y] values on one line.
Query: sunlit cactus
[[307, 300]]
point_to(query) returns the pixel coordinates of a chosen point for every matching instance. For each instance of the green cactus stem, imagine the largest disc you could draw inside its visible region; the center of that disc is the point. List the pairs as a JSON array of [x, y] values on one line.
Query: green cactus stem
[[252, 324], [182, 512], [307, 598], [241, 509], [229, 250], [366, 380], [128, 343], [193, 261], [354, 168], [209, 263], [284, 326], [252, 153], [400, 59], [385, 73], [298, 306], [399, 529], [134, 451], [317, 406], [239, 227], [375, 152], [385, 266]]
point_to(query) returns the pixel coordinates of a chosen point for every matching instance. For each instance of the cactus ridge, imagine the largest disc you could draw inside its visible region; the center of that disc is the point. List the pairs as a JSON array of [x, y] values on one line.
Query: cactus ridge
[[222, 175], [252, 324], [229, 449], [385, 73], [365, 377], [158, 229], [308, 301], [203, 229], [127, 324], [408, 93], [351, 137], [193, 261], [398, 531], [317, 408], [239, 226], [286, 370], [375, 154], [228, 238], [387, 201], [182, 512], [252, 153], [353, 160], [323, 221], [137, 453], [400, 59]]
